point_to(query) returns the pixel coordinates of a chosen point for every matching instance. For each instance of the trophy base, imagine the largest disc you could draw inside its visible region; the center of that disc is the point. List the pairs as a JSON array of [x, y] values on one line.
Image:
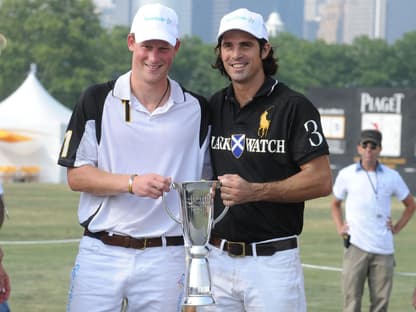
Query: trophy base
[[198, 300]]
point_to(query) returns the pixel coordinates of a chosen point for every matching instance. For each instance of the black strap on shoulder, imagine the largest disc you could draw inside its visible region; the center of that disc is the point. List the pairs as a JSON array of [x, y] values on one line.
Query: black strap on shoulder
[[127, 115]]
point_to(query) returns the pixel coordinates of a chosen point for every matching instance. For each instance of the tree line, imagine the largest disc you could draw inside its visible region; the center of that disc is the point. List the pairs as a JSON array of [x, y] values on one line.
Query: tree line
[[72, 51]]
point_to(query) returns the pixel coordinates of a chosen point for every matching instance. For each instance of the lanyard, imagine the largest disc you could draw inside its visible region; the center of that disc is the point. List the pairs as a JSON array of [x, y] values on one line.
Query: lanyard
[[374, 187], [371, 182]]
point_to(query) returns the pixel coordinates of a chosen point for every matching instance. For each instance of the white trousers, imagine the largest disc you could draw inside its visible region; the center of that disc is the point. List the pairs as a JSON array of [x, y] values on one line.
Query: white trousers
[[103, 276], [257, 283]]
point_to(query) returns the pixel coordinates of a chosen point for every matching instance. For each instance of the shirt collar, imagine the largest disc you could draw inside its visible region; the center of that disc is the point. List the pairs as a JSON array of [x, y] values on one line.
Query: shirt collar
[[265, 90], [359, 167], [123, 92]]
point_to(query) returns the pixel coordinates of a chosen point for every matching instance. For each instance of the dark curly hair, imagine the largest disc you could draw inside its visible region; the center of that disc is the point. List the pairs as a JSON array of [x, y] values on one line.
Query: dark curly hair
[[270, 63]]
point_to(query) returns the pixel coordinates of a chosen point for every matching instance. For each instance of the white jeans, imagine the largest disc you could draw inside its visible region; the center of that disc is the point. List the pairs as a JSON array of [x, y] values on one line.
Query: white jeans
[[151, 279], [257, 283]]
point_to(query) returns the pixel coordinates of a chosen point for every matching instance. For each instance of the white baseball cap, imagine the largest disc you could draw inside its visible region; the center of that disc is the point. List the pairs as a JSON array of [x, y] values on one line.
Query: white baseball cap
[[155, 22], [245, 20]]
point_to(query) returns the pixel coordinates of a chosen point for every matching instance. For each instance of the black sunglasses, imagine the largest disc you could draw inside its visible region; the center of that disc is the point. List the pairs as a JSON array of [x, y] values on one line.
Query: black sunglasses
[[372, 145]]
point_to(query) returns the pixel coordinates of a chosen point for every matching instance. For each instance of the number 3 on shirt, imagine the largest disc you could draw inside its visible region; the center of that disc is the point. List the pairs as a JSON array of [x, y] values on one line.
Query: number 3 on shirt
[[316, 137]]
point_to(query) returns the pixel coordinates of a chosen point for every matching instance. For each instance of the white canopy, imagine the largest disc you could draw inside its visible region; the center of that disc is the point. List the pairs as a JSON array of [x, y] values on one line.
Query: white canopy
[[32, 112]]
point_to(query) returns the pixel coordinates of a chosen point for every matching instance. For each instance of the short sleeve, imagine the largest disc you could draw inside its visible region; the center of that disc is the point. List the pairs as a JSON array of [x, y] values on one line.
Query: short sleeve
[[339, 189]]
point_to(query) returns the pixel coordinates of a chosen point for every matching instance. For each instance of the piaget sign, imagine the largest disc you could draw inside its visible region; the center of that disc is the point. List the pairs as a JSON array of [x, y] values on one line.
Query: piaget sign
[[385, 114], [383, 104]]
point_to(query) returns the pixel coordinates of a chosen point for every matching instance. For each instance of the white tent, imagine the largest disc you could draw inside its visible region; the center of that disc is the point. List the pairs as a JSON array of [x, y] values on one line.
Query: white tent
[[32, 113]]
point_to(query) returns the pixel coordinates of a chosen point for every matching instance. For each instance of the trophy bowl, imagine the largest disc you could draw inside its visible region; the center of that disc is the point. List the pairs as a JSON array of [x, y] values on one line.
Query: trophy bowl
[[197, 209]]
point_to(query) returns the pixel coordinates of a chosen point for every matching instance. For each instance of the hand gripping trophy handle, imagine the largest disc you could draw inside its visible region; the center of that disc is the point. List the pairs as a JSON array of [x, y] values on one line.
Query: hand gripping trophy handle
[[197, 205], [178, 187]]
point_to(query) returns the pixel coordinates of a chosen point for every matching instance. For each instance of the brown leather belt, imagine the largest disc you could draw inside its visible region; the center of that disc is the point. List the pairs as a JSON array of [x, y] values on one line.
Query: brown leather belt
[[131, 242], [242, 249]]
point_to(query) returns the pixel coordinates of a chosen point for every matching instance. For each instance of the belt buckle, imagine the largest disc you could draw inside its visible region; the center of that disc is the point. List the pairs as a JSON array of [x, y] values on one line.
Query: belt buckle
[[126, 241], [144, 244], [243, 249], [130, 242]]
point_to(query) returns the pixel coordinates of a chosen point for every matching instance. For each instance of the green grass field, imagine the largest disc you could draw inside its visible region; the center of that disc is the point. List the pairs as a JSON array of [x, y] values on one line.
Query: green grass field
[[40, 271]]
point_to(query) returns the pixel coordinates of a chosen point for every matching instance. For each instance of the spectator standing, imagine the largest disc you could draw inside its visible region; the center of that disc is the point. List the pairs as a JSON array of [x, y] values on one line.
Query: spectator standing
[[367, 188], [414, 299], [4, 277]]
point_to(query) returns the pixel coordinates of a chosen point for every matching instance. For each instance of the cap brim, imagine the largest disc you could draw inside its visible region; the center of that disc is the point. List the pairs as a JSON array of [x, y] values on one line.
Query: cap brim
[[372, 140], [155, 35], [240, 28]]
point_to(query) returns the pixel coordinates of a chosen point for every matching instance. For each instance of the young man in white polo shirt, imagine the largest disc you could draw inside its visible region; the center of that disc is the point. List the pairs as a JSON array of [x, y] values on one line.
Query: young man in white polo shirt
[[126, 142], [367, 187]]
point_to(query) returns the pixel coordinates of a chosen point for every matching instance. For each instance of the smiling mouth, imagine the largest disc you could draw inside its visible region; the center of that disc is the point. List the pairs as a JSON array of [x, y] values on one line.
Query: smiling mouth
[[238, 65], [153, 67]]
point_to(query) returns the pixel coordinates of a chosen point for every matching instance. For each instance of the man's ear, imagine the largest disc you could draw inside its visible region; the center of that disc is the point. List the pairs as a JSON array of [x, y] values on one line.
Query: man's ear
[[177, 45], [131, 41], [265, 51]]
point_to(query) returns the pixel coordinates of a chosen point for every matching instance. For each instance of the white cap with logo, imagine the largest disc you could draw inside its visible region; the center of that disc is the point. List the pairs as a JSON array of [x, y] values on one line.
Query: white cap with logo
[[245, 20], [155, 22]]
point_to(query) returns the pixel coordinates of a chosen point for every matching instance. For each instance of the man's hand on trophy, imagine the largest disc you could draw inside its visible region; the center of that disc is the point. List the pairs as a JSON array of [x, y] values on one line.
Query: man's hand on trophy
[[149, 185], [235, 190]]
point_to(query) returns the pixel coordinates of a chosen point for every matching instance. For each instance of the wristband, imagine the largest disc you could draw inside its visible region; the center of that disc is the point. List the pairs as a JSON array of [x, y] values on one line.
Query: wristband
[[131, 180]]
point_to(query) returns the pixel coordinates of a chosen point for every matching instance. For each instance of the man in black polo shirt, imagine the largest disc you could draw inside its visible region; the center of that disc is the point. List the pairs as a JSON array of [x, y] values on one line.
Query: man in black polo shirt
[[270, 154]]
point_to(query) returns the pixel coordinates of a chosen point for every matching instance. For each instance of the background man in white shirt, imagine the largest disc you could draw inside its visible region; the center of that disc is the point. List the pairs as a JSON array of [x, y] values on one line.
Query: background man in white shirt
[[367, 187]]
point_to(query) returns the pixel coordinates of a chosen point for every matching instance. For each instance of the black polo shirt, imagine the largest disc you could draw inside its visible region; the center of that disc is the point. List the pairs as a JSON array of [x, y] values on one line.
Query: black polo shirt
[[267, 140]]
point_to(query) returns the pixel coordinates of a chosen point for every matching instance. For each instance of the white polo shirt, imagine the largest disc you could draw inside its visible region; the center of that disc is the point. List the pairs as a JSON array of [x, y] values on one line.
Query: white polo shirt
[[367, 198], [111, 130]]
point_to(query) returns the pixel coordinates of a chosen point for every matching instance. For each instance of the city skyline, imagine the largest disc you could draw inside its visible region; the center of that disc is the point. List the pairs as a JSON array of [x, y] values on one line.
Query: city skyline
[[334, 21]]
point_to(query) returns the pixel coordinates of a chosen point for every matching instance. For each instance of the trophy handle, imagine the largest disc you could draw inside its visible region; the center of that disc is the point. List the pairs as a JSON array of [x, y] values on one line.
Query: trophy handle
[[173, 217], [222, 215]]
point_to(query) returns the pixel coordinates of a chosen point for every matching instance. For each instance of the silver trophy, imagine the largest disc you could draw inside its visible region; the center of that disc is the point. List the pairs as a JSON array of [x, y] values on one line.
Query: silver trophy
[[197, 209]]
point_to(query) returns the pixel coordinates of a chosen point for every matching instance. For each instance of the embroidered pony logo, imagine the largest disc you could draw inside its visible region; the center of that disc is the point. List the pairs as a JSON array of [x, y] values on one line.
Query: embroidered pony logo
[[264, 123]]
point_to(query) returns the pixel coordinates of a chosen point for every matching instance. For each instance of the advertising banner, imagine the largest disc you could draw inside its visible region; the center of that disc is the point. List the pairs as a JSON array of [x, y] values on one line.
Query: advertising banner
[[345, 112]]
